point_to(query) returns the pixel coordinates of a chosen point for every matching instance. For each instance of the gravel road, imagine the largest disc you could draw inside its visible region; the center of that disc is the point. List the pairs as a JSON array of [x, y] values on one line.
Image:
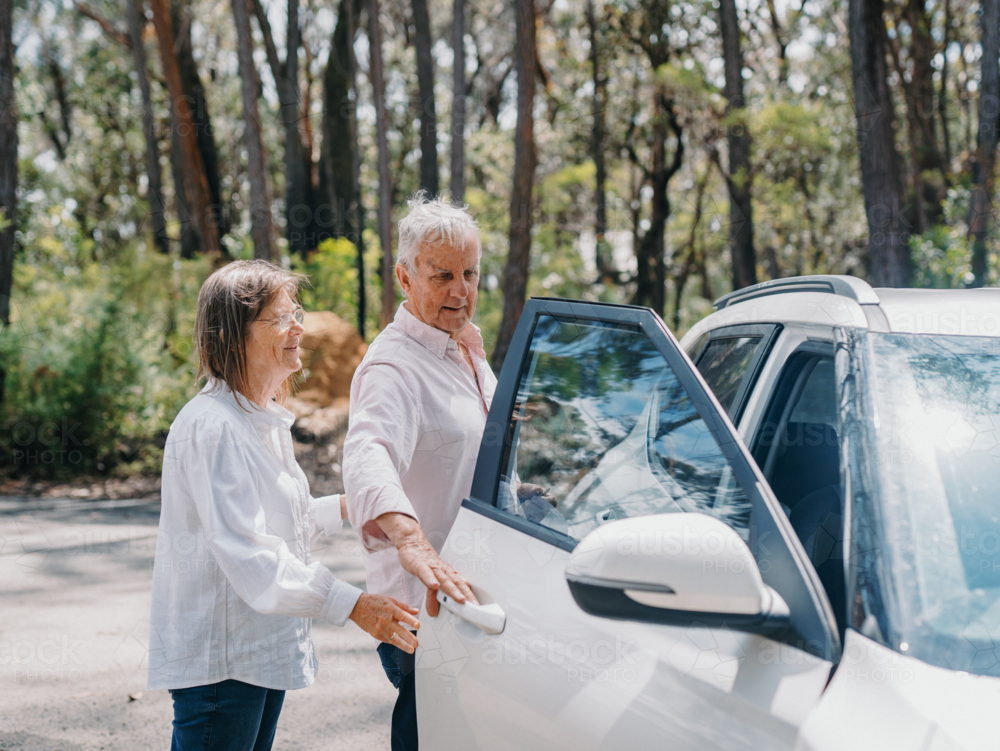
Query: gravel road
[[74, 610]]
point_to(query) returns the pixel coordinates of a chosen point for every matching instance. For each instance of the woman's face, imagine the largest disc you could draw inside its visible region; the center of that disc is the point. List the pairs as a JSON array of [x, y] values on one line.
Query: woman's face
[[273, 346]]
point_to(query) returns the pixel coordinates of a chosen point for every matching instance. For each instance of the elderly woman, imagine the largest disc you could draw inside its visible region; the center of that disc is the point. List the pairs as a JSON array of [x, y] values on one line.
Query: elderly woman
[[233, 585]]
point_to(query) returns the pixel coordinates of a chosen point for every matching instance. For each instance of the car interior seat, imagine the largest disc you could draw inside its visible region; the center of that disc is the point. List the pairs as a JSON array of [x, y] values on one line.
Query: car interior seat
[[806, 479], [818, 521], [808, 458]]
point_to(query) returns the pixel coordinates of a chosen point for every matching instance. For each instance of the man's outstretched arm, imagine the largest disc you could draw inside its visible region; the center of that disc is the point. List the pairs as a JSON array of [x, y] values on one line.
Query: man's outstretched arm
[[418, 557]]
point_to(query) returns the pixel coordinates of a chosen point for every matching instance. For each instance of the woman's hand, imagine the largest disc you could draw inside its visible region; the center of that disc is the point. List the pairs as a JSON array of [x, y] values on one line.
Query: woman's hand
[[388, 620]]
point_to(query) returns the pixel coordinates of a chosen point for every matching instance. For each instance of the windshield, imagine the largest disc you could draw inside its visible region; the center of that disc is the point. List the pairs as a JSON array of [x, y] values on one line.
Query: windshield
[[926, 528]]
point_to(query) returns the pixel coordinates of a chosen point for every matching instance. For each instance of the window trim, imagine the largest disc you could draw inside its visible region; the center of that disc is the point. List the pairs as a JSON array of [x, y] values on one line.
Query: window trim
[[773, 541]]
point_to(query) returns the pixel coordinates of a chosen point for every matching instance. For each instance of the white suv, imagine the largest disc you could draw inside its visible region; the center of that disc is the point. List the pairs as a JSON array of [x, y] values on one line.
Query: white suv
[[782, 532]]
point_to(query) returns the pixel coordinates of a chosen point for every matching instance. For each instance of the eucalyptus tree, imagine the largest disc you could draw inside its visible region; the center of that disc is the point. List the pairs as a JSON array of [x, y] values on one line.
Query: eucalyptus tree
[[983, 172], [739, 176], [515, 283], [377, 76], [8, 166], [154, 176], [193, 176], [428, 110], [300, 204], [458, 103], [261, 228], [888, 227]]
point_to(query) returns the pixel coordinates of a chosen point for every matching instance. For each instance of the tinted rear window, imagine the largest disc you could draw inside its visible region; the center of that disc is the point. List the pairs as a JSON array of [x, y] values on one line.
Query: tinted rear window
[[724, 364]]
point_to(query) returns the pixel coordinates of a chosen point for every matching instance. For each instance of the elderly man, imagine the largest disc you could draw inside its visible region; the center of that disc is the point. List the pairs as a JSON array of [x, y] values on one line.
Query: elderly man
[[419, 401]]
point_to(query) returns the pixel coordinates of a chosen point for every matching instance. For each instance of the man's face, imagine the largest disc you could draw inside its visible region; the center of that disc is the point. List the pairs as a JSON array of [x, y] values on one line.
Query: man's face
[[442, 290]]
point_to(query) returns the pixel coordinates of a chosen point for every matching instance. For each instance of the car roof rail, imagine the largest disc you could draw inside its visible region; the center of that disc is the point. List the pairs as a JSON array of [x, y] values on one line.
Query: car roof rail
[[845, 286]]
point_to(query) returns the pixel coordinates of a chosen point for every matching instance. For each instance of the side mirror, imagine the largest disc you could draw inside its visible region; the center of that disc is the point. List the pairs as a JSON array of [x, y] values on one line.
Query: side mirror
[[681, 569]]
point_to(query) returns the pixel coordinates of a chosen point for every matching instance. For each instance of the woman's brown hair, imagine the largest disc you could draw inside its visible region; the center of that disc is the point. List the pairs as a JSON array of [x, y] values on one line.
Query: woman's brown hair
[[229, 301]]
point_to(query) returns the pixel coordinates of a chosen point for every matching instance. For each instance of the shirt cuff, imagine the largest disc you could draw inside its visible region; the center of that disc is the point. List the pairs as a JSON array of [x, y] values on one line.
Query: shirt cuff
[[340, 602], [390, 500], [326, 514]]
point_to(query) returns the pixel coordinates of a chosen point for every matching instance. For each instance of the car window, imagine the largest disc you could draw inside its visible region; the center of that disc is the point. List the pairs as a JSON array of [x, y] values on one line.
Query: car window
[[802, 466], [804, 453], [602, 429], [724, 364], [818, 401]]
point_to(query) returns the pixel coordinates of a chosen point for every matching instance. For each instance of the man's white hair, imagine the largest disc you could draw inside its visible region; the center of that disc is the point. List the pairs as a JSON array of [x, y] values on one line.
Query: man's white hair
[[433, 221]]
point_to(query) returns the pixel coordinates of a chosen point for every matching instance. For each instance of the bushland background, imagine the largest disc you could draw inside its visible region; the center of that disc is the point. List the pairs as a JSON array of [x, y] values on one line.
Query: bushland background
[[655, 152]]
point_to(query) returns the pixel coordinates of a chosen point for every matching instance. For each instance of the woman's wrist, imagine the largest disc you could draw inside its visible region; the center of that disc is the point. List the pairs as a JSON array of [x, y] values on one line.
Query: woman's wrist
[[343, 507]]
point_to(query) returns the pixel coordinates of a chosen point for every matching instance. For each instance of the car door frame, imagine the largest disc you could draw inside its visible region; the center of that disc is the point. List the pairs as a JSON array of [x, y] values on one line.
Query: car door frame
[[784, 563]]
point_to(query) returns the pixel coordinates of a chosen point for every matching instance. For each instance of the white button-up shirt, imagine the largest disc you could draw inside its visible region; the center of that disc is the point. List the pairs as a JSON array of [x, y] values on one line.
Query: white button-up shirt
[[417, 417], [233, 586]]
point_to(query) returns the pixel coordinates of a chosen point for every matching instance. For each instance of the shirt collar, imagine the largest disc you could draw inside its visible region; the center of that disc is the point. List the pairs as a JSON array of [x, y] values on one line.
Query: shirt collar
[[434, 339], [274, 414]]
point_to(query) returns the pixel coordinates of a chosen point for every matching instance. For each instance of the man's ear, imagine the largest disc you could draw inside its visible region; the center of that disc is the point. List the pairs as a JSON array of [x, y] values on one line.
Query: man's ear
[[404, 278]]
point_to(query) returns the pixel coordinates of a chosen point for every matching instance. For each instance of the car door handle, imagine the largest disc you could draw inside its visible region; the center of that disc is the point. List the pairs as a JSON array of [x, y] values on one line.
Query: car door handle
[[488, 618]]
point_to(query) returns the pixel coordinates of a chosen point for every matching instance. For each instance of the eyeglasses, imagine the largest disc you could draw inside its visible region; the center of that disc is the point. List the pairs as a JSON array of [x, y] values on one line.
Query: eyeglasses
[[298, 315]]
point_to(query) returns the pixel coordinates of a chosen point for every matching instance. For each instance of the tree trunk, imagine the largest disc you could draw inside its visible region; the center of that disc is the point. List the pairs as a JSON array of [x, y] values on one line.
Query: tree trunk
[[649, 289], [193, 178], [260, 197], [942, 105], [525, 159], [336, 162], [299, 202], [888, 228], [428, 112], [194, 89], [384, 180], [356, 215], [300, 208], [457, 186], [157, 218], [180, 21], [922, 110], [651, 278], [688, 265], [602, 250], [782, 44], [8, 167], [985, 165], [741, 248]]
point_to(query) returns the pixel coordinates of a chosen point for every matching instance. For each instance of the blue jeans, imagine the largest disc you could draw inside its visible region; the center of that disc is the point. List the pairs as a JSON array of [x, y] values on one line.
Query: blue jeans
[[398, 666], [226, 716]]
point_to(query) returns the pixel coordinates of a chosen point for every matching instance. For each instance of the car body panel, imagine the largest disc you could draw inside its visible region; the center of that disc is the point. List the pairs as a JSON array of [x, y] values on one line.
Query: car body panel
[[884, 700], [819, 311], [971, 312], [557, 678]]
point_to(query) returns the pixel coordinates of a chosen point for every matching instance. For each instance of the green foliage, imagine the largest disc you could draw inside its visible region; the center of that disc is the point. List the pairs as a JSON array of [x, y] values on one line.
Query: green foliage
[[115, 350], [942, 257], [98, 363], [558, 269], [333, 275]]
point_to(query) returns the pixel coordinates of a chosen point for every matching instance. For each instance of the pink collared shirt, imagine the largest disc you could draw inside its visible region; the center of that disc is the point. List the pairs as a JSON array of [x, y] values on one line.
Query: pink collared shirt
[[417, 418]]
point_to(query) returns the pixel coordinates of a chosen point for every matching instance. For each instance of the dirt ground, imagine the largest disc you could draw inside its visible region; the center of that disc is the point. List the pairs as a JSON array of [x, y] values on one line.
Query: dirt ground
[[75, 591]]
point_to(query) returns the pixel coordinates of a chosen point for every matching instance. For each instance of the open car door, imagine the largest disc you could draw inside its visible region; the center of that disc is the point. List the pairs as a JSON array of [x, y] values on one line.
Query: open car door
[[638, 581]]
